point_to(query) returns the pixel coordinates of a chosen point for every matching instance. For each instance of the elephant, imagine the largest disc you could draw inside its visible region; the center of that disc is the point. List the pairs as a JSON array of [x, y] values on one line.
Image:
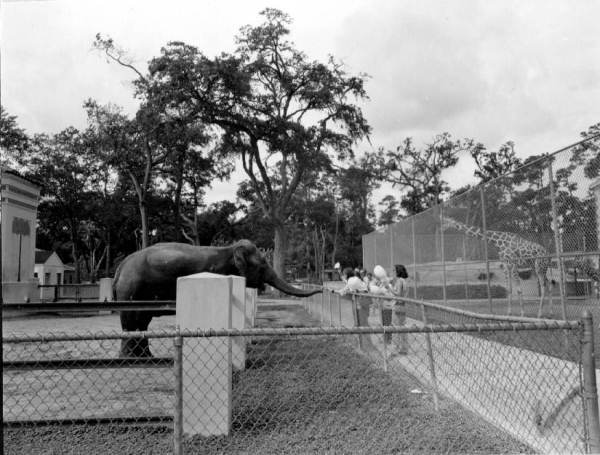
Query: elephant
[[151, 274]]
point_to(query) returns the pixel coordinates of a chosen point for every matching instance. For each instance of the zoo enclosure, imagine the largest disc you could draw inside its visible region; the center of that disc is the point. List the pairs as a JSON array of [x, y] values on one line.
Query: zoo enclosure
[[456, 252], [71, 379]]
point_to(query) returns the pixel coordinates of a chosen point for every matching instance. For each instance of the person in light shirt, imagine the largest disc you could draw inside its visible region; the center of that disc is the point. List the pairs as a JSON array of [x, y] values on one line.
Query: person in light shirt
[[353, 283], [393, 312]]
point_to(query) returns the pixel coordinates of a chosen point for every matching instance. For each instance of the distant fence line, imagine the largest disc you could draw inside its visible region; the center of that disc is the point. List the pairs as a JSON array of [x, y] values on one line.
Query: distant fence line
[[494, 246]]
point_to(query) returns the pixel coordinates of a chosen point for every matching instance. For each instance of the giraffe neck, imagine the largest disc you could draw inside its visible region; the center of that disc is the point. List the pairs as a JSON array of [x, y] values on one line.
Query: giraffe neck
[[504, 241], [469, 230]]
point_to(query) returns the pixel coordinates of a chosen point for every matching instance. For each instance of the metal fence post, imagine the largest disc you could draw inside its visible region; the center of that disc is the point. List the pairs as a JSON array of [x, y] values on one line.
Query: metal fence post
[[590, 391], [443, 250], [330, 312], [391, 229], [436, 400], [321, 310], [464, 253], [355, 312], [485, 248], [557, 244], [414, 251], [178, 416], [339, 301]]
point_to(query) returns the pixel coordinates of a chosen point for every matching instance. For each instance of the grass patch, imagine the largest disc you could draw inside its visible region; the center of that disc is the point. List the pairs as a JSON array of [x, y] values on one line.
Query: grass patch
[[458, 292], [301, 395]]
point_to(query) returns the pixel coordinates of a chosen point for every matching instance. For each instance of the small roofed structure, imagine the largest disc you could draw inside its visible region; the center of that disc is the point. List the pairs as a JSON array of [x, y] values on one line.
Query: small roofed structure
[[50, 270]]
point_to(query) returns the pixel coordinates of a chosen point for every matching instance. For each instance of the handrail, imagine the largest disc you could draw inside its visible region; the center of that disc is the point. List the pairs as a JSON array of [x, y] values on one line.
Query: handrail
[[466, 313], [117, 305], [90, 363], [293, 331], [69, 285]]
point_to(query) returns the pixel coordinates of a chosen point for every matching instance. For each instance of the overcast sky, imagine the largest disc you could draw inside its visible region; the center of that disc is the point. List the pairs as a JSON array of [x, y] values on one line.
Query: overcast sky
[[526, 71]]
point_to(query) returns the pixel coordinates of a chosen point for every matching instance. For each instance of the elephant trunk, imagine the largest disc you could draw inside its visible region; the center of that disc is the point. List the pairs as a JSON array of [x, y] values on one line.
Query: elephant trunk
[[281, 285]]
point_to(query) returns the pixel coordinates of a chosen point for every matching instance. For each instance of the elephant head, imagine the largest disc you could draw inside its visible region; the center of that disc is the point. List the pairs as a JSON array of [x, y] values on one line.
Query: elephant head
[[251, 264]]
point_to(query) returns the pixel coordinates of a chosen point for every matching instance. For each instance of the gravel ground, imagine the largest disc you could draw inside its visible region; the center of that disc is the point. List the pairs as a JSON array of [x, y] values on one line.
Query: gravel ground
[[304, 395]]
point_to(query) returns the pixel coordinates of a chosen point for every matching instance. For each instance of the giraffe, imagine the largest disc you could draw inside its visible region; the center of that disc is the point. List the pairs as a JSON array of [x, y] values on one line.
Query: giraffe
[[513, 251]]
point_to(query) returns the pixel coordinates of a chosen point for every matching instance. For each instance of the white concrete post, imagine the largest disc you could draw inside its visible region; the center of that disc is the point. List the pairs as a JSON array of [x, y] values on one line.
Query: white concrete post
[[238, 321], [204, 302], [250, 307], [105, 292]]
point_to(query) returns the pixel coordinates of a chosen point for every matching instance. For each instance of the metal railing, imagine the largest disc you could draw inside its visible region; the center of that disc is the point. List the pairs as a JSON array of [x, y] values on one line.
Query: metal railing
[[57, 292]]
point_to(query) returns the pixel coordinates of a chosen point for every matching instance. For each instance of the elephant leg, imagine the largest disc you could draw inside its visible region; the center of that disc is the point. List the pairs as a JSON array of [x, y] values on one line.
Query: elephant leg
[[132, 321]]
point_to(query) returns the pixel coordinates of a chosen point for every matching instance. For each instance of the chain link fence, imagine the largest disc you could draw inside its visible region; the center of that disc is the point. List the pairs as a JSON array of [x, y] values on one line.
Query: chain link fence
[[525, 243], [436, 388], [538, 367]]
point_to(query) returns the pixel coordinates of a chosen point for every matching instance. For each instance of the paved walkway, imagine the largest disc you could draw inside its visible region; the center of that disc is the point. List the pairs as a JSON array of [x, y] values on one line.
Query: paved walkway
[[503, 384]]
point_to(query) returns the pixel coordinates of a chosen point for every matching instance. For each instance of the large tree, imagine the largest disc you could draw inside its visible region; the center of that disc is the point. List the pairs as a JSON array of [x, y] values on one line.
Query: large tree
[[418, 172], [13, 139], [491, 164], [280, 113], [65, 168]]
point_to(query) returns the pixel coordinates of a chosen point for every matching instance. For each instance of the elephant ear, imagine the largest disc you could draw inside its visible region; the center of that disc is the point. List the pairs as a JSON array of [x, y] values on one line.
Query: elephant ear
[[239, 259]]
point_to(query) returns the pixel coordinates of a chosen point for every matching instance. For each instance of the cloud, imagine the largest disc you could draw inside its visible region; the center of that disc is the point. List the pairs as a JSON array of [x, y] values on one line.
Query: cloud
[[490, 70], [494, 71]]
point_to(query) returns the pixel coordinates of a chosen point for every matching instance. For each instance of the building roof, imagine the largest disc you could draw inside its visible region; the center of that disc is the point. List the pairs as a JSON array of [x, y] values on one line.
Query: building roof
[[18, 175], [41, 256]]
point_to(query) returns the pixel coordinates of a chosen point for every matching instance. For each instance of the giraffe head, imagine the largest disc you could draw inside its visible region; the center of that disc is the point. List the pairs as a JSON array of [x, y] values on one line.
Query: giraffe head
[[450, 223]]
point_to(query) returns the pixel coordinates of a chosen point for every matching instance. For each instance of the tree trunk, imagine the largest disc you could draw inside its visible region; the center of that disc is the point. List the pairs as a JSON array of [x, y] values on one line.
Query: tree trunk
[[75, 253], [107, 263], [196, 204], [178, 189], [141, 191], [335, 237], [144, 220], [279, 250]]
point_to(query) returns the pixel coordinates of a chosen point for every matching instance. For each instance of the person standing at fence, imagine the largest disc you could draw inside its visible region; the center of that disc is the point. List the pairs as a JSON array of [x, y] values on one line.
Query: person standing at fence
[[353, 283], [400, 289], [383, 286]]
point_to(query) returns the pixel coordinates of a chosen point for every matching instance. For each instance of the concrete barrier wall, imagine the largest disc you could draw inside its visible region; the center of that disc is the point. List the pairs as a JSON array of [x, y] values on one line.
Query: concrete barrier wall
[[18, 292], [333, 309], [250, 307]]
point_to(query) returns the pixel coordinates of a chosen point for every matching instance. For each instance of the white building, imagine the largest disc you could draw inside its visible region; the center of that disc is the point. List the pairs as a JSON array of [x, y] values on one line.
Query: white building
[[18, 220], [50, 269]]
